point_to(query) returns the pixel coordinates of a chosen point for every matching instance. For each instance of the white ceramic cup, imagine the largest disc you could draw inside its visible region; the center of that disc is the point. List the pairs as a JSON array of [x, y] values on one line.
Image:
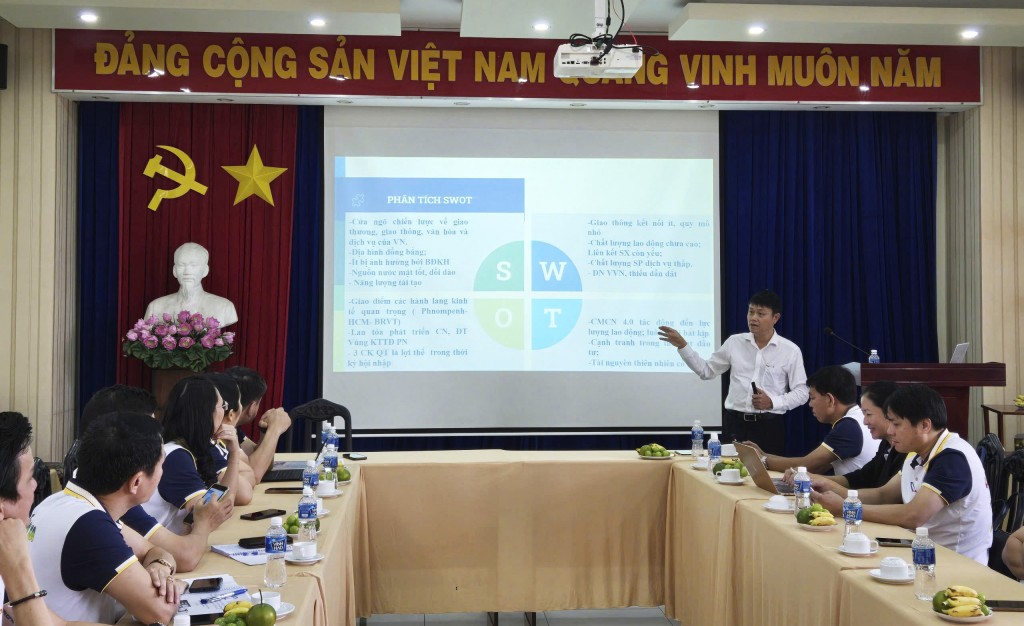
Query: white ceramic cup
[[859, 543], [304, 550], [327, 487], [729, 475], [729, 450], [319, 506], [895, 568], [272, 598]]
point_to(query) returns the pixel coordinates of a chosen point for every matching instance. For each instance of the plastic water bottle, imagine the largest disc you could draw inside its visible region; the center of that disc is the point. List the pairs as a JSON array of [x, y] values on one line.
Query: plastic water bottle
[[852, 512], [307, 516], [276, 543], [801, 489], [310, 475], [331, 437], [714, 452], [873, 357], [697, 435], [329, 483], [924, 565]]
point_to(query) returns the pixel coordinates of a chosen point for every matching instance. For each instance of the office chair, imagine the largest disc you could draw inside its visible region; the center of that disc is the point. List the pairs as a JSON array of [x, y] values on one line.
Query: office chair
[[312, 415]]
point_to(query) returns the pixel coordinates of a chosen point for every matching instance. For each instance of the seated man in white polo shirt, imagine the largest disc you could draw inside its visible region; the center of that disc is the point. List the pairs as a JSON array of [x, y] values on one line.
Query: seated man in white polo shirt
[[942, 485], [77, 548], [848, 445]]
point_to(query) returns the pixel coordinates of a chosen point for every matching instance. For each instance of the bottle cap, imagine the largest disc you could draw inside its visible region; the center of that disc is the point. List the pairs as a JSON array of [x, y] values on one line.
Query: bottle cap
[[276, 521], [922, 531], [311, 463], [852, 493], [801, 469], [307, 491], [714, 436], [696, 423]]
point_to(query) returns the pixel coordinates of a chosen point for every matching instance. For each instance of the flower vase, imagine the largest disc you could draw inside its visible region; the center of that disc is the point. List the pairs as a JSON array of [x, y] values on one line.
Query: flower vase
[[161, 381]]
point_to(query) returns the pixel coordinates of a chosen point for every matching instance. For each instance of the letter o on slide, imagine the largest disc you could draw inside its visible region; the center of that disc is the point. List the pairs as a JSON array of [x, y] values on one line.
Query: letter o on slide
[[503, 318]]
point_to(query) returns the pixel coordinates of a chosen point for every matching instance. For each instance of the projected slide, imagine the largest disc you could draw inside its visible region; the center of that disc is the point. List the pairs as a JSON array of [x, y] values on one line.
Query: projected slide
[[520, 265]]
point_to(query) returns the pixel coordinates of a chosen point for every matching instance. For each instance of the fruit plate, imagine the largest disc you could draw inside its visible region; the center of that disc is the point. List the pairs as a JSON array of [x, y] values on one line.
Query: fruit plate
[[656, 458], [877, 575], [287, 608], [816, 529], [332, 494], [963, 620]]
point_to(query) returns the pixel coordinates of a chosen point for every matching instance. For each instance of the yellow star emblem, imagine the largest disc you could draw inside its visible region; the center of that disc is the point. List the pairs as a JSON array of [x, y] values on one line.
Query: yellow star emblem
[[254, 177]]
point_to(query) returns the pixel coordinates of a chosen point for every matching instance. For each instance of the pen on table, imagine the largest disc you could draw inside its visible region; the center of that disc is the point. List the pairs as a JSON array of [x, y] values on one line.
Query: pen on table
[[223, 596]]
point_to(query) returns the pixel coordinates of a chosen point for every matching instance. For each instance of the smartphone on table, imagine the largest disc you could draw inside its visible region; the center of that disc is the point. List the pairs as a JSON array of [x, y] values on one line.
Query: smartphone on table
[[216, 489], [254, 543], [284, 490], [205, 585], [893, 542], [1005, 605], [264, 514], [355, 456]]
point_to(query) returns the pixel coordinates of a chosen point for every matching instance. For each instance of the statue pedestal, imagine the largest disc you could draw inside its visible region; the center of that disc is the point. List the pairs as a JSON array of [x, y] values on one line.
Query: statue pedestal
[[161, 381]]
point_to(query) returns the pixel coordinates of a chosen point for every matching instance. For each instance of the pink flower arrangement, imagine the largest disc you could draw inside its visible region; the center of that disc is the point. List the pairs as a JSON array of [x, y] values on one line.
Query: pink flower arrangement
[[186, 340]]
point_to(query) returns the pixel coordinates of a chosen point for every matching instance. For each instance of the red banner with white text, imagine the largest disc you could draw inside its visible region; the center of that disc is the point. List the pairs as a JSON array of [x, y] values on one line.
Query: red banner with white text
[[441, 64]]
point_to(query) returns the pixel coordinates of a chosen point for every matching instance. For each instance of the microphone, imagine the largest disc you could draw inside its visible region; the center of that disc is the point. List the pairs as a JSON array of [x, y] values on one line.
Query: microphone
[[832, 333]]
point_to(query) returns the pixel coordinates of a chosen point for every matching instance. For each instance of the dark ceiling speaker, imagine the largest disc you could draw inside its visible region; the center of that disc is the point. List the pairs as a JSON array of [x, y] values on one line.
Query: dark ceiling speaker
[[3, 66]]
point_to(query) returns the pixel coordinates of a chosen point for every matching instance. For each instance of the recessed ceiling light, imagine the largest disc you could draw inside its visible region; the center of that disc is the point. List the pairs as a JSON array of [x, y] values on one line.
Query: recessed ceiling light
[[969, 33], [577, 104], [936, 108], [541, 26], [461, 104], [865, 88], [89, 17], [692, 86], [156, 72], [344, 102], [755, 30], [821, 108], [522, 79], [100, 98], [705, 106], [319, 22], [186, 90], [337, 77], [224, 100]]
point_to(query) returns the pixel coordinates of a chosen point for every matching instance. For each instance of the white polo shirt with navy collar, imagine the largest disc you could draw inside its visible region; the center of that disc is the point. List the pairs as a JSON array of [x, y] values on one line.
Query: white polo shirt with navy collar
[[953, 470], [77, 550]]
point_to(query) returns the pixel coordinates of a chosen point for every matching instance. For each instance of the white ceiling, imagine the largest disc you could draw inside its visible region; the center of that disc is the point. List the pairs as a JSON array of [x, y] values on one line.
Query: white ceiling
[[917, 22]]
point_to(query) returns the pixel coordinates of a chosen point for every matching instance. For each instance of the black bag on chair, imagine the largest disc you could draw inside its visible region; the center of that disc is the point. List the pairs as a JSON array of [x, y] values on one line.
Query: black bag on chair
[[43, 488]]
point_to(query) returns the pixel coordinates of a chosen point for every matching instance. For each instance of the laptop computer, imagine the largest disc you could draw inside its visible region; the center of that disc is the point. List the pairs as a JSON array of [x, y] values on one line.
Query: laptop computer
[[288, 471], [759, 473], [959, 353]]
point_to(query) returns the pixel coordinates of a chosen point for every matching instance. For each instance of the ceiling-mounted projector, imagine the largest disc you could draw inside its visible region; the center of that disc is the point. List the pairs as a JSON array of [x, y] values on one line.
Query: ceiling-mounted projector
[[598, 56], [590, 61]]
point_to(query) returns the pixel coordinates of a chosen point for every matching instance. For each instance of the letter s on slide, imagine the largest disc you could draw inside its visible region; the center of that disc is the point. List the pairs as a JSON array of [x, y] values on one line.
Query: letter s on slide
[[504, 271]]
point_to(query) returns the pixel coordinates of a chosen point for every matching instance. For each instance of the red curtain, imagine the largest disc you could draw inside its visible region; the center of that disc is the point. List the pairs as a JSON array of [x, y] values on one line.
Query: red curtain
[[249, 243]]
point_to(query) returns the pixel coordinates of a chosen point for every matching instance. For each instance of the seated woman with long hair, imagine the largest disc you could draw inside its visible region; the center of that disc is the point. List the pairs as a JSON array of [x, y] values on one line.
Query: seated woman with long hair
[[192, 422]]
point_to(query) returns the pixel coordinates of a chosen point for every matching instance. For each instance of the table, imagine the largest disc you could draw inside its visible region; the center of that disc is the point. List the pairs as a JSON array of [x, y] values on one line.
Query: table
[[1000, 410], [493, 530]]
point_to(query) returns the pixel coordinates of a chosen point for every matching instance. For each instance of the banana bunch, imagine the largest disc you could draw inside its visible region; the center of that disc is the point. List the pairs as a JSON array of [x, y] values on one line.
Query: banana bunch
[[822, 518], [236, 612], [960, 601], [1019, 401]]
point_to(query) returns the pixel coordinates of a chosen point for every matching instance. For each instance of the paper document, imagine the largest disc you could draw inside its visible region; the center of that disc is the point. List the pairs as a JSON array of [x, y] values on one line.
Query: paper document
[[249, 556], [192, 603]]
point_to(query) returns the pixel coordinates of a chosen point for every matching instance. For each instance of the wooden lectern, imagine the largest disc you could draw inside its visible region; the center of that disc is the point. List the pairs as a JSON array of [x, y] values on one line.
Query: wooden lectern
[[953, 381]]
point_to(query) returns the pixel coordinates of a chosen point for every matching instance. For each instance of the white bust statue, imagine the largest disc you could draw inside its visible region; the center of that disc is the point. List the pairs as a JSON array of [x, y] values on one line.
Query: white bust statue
[[191, 265]]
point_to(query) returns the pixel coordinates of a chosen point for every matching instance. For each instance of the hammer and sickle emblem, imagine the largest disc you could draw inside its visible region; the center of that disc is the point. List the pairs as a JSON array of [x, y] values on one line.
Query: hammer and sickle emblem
[[186, 181]]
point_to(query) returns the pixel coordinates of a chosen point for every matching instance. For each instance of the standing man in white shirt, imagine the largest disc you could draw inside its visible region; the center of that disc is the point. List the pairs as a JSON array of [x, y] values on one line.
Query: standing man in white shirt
[[772, 363]]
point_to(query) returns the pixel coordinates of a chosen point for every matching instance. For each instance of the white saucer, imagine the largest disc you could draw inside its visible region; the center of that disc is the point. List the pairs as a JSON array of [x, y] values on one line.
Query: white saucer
[[857, 554], [730, 482], [295, 561], [287, 608], [817, 529], [323, 513], [344, 482], [877, 575], [699, 468], [772, 509], [656, 458], [332, 494]]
